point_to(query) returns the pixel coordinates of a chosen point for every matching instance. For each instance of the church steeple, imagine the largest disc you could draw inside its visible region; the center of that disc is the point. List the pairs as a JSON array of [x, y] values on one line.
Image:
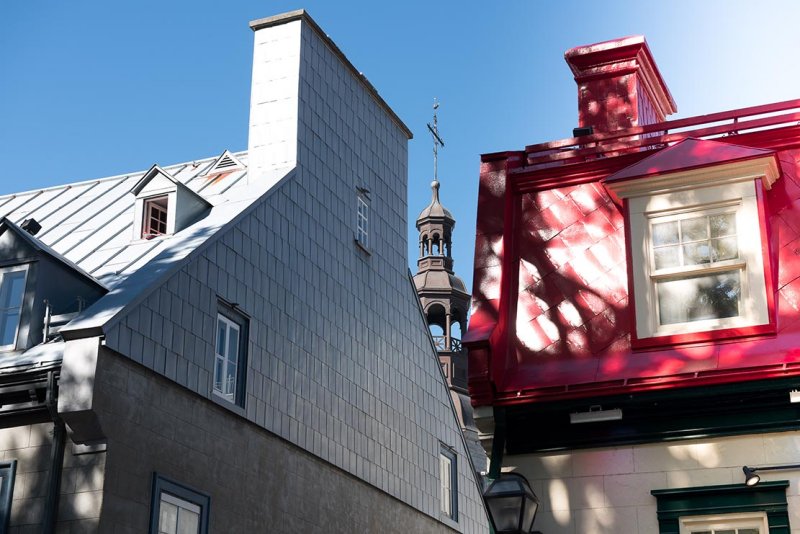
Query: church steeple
[[442, 294], [445, 300]]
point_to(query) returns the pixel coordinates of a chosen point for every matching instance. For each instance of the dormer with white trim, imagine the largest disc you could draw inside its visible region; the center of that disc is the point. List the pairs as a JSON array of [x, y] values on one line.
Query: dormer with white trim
[[164, 205]]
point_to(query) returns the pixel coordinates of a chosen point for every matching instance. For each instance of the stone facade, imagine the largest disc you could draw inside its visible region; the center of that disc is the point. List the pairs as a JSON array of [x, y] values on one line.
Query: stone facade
[[607, 490]]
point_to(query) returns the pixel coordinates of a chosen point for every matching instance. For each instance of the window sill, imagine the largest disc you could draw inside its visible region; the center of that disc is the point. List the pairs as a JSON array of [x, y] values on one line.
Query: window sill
[[709, 336], [230, 405], [363, 248]]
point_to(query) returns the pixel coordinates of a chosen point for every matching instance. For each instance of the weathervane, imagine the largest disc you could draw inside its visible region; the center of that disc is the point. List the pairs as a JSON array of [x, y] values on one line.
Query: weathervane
[[437, 141]]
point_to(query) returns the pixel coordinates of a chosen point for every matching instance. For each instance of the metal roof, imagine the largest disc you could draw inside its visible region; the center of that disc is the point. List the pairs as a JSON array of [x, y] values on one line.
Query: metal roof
[[91, 223]]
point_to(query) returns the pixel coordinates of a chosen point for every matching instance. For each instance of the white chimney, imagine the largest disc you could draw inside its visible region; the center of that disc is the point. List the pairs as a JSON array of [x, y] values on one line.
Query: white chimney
[[272, 138]]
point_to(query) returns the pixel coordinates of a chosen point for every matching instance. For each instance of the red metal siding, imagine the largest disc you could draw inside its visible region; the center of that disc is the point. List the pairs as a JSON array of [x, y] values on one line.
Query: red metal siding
[[566, 331]]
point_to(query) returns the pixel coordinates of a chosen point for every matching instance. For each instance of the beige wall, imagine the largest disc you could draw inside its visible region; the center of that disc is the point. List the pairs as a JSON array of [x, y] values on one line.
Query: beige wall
[[605, 491]]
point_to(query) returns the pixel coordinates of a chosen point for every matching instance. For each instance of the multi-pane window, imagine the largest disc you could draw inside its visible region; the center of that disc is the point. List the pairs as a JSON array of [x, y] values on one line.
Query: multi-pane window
[[12, 289], [448, 475], [696, 267], [154, 220], [741, 523], [177, 509], [362, 220], [230, 354]]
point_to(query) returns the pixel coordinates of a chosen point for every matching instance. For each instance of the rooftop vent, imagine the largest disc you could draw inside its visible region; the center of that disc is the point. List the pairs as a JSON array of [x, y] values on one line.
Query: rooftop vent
[[31, 226], [227, 162]]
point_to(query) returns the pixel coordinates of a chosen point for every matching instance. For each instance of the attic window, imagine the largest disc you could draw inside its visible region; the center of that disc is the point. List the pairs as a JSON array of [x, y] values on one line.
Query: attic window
[[164, 205], [154, 219]]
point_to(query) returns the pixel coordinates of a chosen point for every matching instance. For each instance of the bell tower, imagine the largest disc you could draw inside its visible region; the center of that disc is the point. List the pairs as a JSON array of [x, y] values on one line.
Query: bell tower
[[441, 293], [445, 301]]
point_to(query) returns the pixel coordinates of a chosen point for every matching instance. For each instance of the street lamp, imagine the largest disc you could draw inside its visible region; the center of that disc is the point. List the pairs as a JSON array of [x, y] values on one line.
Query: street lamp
[[512, 504], [751, 478]]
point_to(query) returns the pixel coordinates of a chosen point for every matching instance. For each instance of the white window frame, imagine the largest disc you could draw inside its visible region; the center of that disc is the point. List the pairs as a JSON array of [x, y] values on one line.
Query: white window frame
[[448, 482], [695, 192], [183, 506], [701, 523], [156, 202], [229, 394], [3, 272], [362, 219]]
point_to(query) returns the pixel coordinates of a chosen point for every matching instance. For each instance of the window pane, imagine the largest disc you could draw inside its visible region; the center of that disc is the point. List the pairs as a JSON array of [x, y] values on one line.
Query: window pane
[[723, 225], [230, 381], [8, 326], [218, 374], [667, 257], [233, 344], [694, 229], [665, 233], [696, 254], [748, 531], [724, 249], [168, 518], [221, 329], [11, 291], [188, 522], [698, 298]]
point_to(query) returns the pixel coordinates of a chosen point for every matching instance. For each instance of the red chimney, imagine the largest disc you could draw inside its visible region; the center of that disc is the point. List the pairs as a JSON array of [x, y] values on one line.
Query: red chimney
[[619, 85]]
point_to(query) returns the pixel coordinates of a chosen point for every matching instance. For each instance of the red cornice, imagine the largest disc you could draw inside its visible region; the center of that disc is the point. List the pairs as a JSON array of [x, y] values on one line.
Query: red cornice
[[624, 387]]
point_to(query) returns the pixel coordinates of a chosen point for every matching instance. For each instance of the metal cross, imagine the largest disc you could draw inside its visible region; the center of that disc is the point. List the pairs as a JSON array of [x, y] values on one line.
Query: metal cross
[[436, 141]]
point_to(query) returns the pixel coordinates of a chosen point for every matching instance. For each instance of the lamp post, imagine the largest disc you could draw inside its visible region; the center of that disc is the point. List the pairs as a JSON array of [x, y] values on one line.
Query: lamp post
[[512, 504]]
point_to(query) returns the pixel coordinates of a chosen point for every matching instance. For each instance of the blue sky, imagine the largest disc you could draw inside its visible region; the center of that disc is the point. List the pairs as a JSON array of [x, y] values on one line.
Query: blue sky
[[95, 88]]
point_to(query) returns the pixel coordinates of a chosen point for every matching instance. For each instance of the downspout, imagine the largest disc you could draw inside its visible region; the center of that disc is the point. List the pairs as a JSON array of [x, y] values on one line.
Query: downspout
[[498, 446], [56, 457], [498, 442]]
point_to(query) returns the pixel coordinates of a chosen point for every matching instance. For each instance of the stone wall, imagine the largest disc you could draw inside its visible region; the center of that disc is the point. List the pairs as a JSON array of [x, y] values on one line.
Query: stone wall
[[257, 481], [81, 481], [607, 490]]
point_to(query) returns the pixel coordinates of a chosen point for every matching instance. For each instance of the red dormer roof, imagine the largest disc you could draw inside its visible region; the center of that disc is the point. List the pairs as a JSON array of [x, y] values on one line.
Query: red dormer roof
[[688, 154]]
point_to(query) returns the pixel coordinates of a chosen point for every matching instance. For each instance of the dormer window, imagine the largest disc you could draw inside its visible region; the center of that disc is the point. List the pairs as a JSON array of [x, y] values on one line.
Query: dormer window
[[12, 290], [154, 219], [697, 247], [164, 205]]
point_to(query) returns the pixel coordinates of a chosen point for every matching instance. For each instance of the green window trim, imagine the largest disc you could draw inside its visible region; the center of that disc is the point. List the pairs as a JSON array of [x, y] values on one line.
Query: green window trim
[[769, 497]]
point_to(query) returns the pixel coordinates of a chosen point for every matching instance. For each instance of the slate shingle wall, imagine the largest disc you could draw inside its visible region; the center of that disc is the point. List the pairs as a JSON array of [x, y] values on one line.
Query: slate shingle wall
[[340, 362]]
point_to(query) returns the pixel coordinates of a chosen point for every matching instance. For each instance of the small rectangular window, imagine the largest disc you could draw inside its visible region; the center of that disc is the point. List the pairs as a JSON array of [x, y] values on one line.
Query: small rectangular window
[[12, 291], [448, 476], [230, 354], [177, 509], [154, 220], [362, 219]]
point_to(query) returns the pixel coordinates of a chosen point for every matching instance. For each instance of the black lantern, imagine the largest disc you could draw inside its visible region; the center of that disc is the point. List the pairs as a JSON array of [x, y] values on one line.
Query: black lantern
[[512, 504]]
